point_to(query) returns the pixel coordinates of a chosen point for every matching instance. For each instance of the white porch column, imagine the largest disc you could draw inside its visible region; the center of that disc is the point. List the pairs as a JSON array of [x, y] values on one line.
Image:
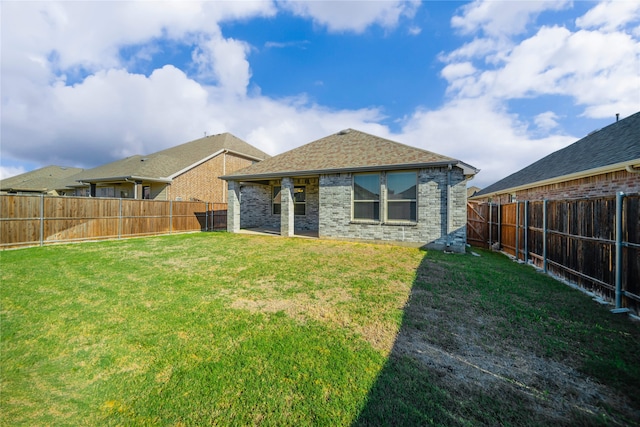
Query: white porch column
[[286, 212], [233, 207]]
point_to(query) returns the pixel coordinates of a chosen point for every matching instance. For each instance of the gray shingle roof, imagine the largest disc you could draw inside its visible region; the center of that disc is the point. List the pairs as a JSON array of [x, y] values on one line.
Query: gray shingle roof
[[166, 164], [611, 145], [44, 179], [348, 150]]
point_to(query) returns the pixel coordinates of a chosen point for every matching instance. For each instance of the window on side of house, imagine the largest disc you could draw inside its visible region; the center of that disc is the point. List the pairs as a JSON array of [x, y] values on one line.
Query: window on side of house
[[277, 200], [105, 192], [366, 197], [299, 200], [402, 196]]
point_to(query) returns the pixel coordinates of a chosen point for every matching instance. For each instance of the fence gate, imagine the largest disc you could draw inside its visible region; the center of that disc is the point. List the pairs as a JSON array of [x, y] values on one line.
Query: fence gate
[[478, 224]]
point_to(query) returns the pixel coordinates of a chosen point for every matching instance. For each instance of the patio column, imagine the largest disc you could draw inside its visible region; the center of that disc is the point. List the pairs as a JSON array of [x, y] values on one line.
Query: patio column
[[233, 207], [286, 212]]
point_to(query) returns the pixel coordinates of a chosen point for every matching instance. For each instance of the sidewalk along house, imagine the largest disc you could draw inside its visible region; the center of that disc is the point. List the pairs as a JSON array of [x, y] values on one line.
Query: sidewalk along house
[[355, 186], [51, 180], [188, 171], [601, 164]]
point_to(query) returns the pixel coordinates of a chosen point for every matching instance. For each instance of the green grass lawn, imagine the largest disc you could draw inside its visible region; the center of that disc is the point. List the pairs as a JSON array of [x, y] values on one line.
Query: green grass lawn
[[224, 329]]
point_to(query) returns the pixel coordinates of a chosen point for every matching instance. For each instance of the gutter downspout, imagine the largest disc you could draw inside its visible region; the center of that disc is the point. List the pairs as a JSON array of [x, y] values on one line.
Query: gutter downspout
[[135, 187], [448, 210], [632, 169], [618, 259]]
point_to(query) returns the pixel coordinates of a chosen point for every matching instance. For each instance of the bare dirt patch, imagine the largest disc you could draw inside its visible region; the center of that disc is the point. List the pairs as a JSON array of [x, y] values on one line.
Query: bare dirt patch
[[466, 351]]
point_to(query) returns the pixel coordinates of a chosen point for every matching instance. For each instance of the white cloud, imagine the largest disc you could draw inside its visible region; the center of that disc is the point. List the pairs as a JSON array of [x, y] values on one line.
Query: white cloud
[[481, 133], [546, 121], [355, 15], [112, 112], [224, 61], [457, 70], [501, 18], [611, 15], [9, 171]]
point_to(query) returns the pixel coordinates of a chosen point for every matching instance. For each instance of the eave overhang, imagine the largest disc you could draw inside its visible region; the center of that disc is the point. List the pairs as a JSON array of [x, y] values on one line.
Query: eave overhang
[[468, 170], [563, 178]]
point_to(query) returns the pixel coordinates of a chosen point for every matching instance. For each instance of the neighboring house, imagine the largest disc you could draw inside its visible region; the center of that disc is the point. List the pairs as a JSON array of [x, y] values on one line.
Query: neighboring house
[[188, 171], [355, 186], [51, 180], [471, 191], [601, 164]]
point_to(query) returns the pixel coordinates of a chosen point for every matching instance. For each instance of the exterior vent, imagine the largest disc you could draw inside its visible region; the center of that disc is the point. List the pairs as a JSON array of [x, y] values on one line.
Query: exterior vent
[[344, 132]]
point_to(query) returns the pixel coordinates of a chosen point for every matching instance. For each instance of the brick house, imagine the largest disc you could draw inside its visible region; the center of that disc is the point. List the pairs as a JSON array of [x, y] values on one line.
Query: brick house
[[189, 171], [355, 186], [603, 163]]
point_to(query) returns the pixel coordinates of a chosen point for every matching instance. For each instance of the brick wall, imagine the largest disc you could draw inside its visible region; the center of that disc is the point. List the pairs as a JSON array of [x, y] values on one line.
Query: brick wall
[[203, 183], [256, 206], [602, 185], [433, 228]]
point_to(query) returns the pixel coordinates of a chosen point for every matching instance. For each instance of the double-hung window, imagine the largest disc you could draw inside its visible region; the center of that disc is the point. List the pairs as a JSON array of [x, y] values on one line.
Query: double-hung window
[[299, 200], [401, 196], [366, 197]]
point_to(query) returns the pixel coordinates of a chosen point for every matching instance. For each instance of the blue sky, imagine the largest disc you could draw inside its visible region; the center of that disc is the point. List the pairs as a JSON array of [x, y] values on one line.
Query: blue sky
[[496, 84]]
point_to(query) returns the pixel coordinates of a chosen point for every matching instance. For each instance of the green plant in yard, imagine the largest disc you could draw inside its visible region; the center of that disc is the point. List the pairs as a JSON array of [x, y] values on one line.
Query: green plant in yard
[[224, 329]]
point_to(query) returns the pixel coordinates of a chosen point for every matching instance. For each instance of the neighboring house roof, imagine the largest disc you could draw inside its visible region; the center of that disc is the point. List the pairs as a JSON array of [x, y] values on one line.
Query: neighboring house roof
[[41, 180], [472, 190], [611, 148], [348, 150], [165, 165]]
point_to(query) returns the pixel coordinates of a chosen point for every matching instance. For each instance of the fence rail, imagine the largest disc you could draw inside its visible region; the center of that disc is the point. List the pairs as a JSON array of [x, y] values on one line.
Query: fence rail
[[40, 220], [593, 243]]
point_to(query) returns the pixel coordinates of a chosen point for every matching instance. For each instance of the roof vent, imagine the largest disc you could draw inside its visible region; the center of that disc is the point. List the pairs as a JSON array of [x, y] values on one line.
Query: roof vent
[[344, 131], [144, 159]]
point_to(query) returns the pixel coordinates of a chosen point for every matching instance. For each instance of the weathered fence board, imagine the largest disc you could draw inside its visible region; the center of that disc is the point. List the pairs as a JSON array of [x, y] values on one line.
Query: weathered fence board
[[573, 239], [40, 220]]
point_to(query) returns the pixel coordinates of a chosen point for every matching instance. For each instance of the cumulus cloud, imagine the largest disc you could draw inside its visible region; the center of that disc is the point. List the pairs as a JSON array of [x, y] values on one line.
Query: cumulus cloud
[[501, 18], [482, 133], [599, 70], [611, 15], [69, 97], [355, 15]]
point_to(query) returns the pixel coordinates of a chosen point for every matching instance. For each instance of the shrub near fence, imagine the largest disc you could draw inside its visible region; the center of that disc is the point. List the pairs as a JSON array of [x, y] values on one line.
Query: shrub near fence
[[584, 241], [40, 220]]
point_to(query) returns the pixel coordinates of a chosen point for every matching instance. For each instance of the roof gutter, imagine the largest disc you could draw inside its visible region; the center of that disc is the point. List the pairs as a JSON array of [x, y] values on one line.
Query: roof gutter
[[633, 169], [632, 166], [129, 178], [467, 170]]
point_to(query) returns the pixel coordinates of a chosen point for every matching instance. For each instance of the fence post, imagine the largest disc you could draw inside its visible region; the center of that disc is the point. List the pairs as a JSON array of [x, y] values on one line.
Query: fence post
[[42, 220], [526, 231], [206, 216], [499, 225], [517, 231], [619, 198], [490, 225], [170, 216], [120, 219], [544, 235]]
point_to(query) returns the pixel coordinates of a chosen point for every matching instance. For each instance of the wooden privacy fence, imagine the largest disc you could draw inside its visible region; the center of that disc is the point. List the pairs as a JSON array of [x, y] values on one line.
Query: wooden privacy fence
[[594, 243], [41, 220]]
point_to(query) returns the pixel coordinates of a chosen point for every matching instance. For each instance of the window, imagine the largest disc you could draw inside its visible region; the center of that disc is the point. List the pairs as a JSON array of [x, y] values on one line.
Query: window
[[105, 192], [299, 200], [366, 196], [146, 192], [401, 196]]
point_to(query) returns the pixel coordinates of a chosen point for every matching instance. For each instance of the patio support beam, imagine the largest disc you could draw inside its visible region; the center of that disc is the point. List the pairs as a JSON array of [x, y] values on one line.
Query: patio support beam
[[286, 213], [233, 206]]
